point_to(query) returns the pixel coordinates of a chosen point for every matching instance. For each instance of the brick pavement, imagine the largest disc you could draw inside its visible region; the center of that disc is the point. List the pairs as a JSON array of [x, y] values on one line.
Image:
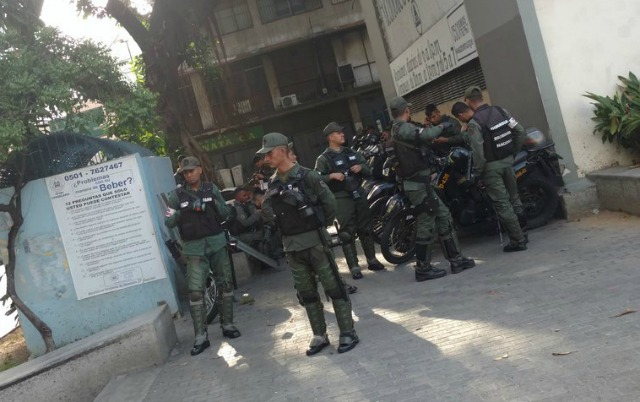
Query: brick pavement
[[487, 334]]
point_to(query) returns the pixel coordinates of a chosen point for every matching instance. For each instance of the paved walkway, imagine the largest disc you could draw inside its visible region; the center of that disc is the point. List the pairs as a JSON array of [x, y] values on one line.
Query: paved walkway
[[488, 334]]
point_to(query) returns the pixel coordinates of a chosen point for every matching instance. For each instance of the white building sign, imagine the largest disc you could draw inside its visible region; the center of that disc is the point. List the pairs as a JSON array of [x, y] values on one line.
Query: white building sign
[[106, 227], [448, 44]]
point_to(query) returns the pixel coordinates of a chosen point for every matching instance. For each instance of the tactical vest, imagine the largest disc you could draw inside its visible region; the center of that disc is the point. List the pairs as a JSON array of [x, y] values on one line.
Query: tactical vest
[[496, 132], [408, 153], [197, 213], [340, 163], [292, 218], [235, 227]]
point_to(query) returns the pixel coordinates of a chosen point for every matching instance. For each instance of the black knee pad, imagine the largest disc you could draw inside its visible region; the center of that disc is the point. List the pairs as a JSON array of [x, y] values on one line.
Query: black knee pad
[[345, 237], [196, 296], [308, 297], [335, 294]]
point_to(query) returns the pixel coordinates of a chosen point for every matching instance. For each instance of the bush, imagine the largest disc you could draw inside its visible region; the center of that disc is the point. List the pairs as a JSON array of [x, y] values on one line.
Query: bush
[[618, 118]]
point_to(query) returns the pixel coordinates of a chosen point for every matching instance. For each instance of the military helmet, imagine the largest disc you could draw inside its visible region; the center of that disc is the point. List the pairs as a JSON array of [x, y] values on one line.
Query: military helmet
[[459, 158]]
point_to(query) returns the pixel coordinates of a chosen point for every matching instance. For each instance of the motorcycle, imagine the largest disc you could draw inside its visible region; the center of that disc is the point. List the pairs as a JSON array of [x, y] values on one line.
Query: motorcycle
[[378, 197], [537, 174]]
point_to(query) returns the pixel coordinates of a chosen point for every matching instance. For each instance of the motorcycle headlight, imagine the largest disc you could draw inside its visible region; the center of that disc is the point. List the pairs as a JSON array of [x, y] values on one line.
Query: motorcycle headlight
[[391, 205]]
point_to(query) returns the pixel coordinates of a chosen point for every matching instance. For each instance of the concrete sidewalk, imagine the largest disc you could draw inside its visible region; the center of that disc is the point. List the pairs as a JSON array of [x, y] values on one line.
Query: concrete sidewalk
[[488, 334]]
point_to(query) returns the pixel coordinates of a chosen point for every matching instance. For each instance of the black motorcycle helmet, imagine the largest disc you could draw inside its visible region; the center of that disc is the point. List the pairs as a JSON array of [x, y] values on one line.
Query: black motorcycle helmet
[[459, 159]]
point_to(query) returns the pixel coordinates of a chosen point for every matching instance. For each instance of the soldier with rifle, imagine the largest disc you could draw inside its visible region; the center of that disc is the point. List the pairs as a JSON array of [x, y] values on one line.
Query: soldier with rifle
[[303, 206], [198, 209]]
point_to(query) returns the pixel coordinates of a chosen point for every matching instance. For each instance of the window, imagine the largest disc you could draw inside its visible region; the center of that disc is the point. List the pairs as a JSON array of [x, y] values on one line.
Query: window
[[271, 10], [233, 17]]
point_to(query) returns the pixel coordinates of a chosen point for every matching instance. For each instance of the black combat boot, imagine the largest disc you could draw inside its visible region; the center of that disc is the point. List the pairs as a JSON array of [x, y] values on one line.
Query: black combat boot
[[200, 344], [368, 245], [522, 221], [351, 255], [348, 341], [451, 252], [515, 246], [423, 269], [375, 265], [318, 343], [425, 272]]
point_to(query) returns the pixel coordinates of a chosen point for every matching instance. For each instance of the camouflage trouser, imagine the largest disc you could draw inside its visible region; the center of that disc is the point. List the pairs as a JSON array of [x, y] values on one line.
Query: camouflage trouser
[[501, 186], [428, 223], [198, 267], [305, 265], [355, 218]]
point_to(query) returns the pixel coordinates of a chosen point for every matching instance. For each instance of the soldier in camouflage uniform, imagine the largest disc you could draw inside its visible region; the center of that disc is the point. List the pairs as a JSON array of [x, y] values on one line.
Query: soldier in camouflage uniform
[[432, 215], [495, 137], [303, 206], [343, 169], [197, 209], [451, 135]]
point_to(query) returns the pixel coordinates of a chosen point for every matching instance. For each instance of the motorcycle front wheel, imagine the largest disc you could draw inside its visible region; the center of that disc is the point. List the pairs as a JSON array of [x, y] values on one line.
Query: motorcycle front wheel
[[398, 239], [540, 200], [210, 298]]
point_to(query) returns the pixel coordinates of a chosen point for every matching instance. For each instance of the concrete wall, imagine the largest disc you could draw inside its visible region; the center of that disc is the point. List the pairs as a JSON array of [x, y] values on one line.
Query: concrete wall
[[290, 29], [505, 59], [78, 372], [588, 44], [377, 48], [7, 322], [44, 282]]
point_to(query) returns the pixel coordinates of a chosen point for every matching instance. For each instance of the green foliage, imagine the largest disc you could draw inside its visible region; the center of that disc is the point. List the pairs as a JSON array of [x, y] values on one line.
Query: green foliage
[[51, 76], [133, 118], [618, 117], [200, 55]]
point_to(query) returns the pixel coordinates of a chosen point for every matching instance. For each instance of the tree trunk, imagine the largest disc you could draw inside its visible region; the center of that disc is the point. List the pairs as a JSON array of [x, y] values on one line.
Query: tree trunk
[[14, 208], [162, 51]]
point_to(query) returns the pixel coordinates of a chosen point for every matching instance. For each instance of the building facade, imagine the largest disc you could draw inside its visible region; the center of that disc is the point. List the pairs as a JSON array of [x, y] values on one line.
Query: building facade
[[537, 58], [290, 66]]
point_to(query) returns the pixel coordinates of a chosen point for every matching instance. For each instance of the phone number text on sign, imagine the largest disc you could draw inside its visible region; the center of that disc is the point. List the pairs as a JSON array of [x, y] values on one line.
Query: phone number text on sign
[[106, 229]]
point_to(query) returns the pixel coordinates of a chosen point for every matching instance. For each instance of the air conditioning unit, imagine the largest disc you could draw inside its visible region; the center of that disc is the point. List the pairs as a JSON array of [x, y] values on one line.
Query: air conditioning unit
[[289, 101], [345, 74]]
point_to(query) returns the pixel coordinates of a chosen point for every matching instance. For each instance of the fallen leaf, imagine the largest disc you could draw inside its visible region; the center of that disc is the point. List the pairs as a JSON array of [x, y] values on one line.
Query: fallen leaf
[[627, 311], [501, 357], [561, 353]]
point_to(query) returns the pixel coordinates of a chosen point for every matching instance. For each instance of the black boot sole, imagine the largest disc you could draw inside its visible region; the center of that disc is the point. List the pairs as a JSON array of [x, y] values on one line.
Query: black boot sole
[[316, 349], [511, 249], [231, 333], [463, 267], [347, 346], [196, 350], [430, 277]]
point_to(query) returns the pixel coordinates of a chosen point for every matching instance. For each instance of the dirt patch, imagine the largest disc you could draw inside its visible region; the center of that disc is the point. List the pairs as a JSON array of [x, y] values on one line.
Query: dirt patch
[[13, 349]]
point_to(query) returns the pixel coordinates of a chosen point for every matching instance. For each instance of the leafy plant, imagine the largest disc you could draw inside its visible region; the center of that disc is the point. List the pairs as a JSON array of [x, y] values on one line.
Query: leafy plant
[[618, 117]]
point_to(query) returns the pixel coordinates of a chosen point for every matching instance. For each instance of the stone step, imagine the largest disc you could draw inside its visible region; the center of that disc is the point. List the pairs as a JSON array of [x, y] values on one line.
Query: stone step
[[130, 387], [618, 188]]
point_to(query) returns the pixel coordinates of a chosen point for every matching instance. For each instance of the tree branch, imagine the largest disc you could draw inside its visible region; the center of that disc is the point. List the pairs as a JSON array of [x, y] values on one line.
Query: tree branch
[[130, 22]]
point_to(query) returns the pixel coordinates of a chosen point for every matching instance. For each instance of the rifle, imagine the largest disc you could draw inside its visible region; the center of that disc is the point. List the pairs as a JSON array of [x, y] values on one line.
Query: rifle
[[294, 198], [231, 242], [332, 261]]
